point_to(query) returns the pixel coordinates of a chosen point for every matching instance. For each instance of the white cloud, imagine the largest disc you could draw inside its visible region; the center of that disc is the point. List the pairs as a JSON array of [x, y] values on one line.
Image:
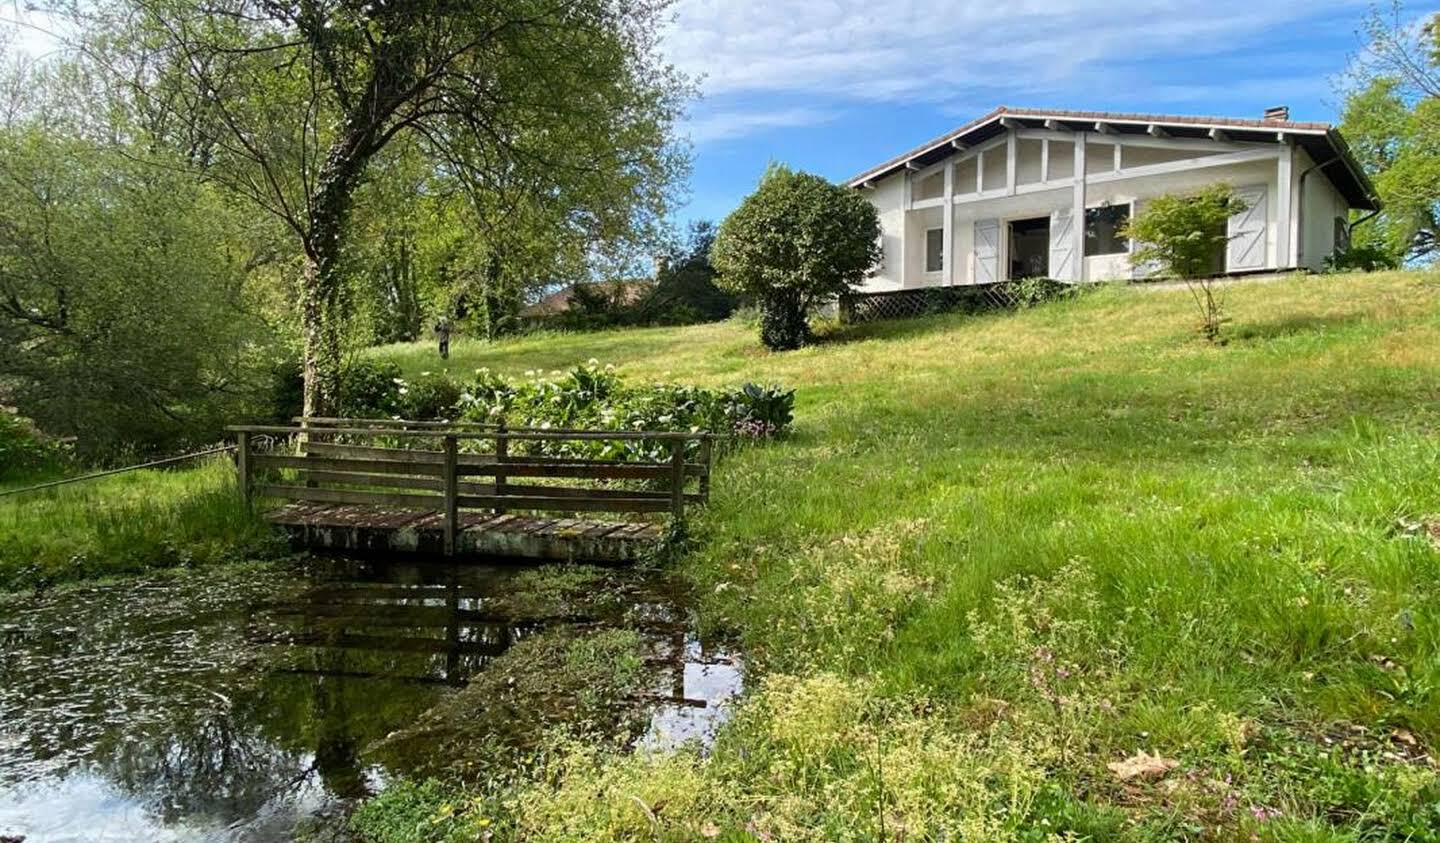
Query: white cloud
[[724, 125], [938, 51]]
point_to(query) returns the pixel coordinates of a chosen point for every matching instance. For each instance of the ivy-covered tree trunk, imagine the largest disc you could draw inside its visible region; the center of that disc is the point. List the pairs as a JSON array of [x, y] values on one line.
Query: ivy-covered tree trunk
[[783, 326], [321, 368], [320, 282], [500, 299]]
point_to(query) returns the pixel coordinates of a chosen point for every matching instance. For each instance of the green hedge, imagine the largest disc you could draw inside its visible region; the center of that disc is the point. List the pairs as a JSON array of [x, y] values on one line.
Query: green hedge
[[589, 397]]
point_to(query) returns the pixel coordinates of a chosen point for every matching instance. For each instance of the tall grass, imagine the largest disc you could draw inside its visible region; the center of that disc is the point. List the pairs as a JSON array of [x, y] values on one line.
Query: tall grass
[[1001, 553], [127, 523]]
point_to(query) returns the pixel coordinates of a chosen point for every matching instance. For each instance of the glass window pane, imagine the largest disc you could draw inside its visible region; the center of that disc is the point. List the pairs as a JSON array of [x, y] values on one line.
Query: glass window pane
[[934, 249], [1102, 230]]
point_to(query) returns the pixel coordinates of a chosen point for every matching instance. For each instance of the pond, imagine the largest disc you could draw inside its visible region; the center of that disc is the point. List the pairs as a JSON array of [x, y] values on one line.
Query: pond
[[247, 703]]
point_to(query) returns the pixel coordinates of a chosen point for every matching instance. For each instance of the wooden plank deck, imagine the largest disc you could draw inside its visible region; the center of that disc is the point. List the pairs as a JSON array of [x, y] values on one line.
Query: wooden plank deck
[[381, 529]]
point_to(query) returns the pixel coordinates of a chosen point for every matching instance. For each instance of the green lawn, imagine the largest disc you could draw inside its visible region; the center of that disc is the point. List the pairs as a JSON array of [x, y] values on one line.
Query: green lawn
[[1000, 554], [127, 523]]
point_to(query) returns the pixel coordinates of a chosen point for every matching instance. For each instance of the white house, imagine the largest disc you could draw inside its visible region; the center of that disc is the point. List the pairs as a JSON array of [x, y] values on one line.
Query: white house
[[1029, 192]]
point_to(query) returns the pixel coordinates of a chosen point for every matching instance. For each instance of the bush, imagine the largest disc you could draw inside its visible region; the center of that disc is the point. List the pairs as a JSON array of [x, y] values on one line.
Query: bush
[[1183, 234], [287, 391], [1361, 258], [764, 410], [1029, 292], [370, 389], [430, 396], [796, 242], [592, 396], [25, 452]]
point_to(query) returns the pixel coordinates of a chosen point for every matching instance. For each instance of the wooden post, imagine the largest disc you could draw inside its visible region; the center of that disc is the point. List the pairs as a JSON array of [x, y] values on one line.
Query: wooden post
[[705, 463], [677, 479], [452, 493], [502, 453], [304, 442], [242, 465]]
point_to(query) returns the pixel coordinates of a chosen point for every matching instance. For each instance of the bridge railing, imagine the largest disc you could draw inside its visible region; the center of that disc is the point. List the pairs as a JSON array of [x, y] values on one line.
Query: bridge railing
[[446, 468]]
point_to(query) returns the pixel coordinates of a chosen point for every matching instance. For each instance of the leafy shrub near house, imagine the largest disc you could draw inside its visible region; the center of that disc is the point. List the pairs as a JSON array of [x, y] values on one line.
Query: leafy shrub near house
[[765, 410], [796, 242], [1185, 234], [1029, 292], [1363, 257]]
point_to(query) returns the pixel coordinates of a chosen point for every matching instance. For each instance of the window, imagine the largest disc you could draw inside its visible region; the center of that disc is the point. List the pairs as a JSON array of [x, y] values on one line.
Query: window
[[1102, 230], [934, 249]]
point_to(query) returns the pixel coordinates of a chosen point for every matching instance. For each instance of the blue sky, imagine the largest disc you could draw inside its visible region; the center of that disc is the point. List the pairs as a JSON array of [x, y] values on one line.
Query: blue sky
[[834, 86]]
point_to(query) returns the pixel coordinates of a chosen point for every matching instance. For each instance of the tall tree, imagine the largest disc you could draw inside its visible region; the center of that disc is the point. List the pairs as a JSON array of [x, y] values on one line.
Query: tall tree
[[685, 289], [1392, 121], [110, 272], [288, 103]]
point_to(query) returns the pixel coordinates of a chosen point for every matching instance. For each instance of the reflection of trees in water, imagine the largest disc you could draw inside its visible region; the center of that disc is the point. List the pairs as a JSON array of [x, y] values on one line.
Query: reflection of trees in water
[[211, 766], [222, 698], [370, 656], [169, 693], [336, 755]]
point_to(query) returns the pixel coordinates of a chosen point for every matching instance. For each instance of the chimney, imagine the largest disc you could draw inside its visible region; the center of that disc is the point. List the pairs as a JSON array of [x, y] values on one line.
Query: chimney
[[1277, 112]]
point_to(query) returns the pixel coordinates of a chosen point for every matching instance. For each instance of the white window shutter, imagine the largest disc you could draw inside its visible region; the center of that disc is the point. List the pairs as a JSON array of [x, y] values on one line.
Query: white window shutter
[[1246, 249], [987, 251], [1062, 245]]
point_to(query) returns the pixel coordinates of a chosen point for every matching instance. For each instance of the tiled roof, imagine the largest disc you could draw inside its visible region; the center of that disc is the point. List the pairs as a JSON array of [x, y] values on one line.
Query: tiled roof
[[1097, 116]]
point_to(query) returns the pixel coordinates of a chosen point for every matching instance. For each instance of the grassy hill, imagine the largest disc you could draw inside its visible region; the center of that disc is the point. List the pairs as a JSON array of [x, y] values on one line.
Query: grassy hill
[[1003, 553]]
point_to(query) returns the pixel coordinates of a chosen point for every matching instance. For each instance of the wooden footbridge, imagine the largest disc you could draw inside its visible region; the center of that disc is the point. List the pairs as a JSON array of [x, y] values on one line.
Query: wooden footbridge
[[471, 490]]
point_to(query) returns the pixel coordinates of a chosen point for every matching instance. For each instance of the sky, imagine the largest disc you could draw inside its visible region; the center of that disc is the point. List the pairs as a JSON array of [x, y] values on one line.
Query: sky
[[835, 86]]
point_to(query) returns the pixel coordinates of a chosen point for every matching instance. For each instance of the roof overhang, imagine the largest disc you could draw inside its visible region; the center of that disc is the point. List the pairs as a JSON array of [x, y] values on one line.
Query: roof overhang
[[1319, 140]]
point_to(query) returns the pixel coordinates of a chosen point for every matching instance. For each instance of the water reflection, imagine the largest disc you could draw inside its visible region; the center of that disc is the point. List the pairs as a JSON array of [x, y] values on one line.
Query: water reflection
[[235, 705]]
